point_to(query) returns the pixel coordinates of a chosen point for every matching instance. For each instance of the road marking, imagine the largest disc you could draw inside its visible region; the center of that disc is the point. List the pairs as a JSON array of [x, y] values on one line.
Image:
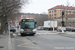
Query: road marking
[[30, 47], [21, 45], [17, 39], [21, 40], [45, 33], [25, 43]]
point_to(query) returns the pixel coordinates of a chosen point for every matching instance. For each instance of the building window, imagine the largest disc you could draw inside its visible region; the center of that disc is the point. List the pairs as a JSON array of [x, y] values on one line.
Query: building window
[[66, 14], [54, 10], [60, 13], [50, 15], [54, 14], [49, 11], [70, 12], [52, 18], [73, 11], [66, 11], [55, 17], [60, 10]]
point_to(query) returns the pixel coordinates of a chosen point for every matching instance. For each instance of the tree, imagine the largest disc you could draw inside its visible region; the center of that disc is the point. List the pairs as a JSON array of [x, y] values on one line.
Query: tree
[[9, 8]]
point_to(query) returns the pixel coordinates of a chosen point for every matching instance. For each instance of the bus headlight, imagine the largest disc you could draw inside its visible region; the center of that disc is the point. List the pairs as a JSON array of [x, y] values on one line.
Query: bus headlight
[[34, 30], [21, 31]]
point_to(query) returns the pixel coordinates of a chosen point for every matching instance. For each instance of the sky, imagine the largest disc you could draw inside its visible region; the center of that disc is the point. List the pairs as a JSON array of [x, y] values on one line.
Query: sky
[[42, 6]]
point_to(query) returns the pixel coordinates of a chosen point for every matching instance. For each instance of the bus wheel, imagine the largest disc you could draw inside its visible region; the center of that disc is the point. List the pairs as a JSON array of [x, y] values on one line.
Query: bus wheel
[[21, 34], [32, 34]]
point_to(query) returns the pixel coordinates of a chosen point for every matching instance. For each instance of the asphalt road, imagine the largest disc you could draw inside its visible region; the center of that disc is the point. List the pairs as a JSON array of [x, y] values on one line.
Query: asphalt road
[[44, 41]]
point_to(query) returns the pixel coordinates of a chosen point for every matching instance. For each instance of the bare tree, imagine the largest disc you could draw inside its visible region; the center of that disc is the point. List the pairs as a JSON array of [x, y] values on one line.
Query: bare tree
[[9, 8]]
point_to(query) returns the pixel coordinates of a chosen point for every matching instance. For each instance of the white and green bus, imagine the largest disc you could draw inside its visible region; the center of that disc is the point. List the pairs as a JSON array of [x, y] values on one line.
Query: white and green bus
[[27, 26]]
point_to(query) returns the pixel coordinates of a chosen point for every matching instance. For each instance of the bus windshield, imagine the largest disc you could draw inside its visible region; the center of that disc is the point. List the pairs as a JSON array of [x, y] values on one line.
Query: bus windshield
[[27, 25]]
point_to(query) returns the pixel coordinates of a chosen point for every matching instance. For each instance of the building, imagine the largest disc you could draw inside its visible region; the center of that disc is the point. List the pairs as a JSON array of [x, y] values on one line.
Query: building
[[56, 12], [40, 18]]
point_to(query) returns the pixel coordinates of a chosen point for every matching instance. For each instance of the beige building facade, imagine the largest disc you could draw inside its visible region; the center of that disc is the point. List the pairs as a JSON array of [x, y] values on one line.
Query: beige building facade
[[56, 12]]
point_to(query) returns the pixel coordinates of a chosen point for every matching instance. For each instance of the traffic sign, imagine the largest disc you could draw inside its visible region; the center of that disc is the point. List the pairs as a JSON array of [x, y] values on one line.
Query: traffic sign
[[48, 23]]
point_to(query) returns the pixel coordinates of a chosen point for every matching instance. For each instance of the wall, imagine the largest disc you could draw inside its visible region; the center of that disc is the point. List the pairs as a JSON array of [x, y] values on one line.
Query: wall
[[67, 23]]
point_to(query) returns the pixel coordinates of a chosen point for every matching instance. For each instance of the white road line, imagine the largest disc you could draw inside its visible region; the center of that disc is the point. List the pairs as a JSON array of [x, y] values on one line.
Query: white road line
[[45, 33]]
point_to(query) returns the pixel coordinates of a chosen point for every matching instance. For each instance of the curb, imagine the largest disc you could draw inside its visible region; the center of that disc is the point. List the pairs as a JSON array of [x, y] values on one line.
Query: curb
[[62, 33], [53, 32]]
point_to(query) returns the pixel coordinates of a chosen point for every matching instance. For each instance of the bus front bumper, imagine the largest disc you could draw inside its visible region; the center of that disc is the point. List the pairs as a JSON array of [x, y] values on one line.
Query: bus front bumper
[[27, 32]]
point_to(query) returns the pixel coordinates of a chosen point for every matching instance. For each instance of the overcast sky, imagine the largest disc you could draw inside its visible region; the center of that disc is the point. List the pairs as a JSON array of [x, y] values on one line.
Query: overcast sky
[[40, 6]]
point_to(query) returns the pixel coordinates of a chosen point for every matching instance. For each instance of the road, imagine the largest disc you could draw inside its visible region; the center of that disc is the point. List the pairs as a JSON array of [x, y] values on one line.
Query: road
[[44, 40]]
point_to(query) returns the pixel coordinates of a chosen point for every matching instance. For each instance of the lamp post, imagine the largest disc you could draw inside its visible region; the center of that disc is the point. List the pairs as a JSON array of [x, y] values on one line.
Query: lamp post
[[9, 35], [16, 24], [19, 22], [53, 23], [62, 21]]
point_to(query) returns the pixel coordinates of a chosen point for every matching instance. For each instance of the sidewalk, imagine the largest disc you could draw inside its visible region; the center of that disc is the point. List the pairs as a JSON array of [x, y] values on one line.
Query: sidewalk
[[4, 42]]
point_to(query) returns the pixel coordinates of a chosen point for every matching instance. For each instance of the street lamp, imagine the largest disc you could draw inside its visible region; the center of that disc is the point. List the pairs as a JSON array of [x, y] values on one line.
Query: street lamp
[[62, 21], [16, 24], [9, 35]]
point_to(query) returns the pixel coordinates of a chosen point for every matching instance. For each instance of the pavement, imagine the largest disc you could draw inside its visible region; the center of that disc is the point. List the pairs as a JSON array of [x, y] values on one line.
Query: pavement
[[4, 42]]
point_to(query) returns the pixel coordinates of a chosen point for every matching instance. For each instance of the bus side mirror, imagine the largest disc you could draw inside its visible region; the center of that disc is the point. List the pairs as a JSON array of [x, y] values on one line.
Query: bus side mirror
[[19, 23], [35, 22]]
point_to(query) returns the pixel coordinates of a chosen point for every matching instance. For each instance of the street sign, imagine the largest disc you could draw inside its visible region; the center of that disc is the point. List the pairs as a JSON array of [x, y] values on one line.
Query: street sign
[[72, 23], [48, 23]]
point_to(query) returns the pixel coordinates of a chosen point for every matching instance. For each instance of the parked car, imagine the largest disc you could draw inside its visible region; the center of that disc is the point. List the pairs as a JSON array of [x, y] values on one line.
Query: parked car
[[68, 28], [59, 29], [40, 28], [12, 29], [72, 29]]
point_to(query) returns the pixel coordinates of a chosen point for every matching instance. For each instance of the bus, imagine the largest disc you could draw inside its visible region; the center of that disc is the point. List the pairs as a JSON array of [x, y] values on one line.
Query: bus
[[27, 26]]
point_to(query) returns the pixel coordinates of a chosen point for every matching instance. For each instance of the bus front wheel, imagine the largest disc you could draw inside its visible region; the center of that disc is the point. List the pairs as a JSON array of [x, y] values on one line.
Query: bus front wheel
[[21, 34], [33, 34]]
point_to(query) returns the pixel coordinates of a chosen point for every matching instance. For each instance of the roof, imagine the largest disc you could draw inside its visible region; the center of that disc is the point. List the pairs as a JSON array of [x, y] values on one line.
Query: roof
[[62, 7]]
